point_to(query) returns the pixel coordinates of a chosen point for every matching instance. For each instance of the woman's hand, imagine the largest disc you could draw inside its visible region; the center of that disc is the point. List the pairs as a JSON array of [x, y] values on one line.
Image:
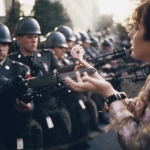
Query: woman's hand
[[22, 107], [83, 64], [94, 83]]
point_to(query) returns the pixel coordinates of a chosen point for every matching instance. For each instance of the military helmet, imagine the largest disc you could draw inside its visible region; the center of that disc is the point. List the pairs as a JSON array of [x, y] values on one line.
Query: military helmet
[[106, 43], [78, 38], [85, 38], [5, 36], [55, 39], [95, 42], [67, 32], [27, 25]]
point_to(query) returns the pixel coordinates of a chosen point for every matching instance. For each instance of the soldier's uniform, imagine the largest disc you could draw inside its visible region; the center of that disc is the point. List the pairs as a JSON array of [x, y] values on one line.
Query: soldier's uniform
[[47, 113], [43, 60], [14, 124], [72, 101], [11, 69], [15, 128]]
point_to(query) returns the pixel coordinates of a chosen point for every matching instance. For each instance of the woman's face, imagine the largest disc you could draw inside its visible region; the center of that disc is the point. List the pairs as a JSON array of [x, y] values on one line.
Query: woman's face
[[140, 48]]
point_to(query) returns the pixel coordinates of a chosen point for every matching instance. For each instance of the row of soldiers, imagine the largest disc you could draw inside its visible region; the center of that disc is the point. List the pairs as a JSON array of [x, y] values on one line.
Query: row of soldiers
[[53, 121], [56, 120]]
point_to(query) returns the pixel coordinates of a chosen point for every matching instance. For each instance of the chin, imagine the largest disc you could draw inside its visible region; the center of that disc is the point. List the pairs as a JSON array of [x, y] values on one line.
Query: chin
[[136, 57], [33, 50]]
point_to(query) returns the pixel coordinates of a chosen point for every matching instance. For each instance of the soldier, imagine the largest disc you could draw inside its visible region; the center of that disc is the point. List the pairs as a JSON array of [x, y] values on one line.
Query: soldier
[[70, 39], [86, 45], [14, 122], [46, 111], [7, 86], [95, 45], [78, 38], [73, 101]]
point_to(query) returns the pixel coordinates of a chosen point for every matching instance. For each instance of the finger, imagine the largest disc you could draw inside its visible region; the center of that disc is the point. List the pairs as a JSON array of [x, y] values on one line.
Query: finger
[[23, 105], [18, 109], [74, 85], [78, 76], [84, 63], [17, 102], [79, 66]]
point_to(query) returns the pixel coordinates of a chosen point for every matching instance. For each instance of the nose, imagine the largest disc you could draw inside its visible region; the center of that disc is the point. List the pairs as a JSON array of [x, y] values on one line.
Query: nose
[[64, 50], [131, 33], [34, 39]]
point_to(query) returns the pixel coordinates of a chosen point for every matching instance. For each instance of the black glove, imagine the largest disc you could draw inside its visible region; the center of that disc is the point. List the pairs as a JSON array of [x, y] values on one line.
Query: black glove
[[15, 87]]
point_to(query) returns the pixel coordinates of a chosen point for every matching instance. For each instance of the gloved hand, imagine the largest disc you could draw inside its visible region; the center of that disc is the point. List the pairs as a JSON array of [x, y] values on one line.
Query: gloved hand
[[16, 87]]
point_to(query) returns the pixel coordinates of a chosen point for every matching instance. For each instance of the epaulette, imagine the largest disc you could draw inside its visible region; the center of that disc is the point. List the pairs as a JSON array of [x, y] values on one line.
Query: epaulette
[[20, 64], [39, 50], [13, 53], [45, 50]]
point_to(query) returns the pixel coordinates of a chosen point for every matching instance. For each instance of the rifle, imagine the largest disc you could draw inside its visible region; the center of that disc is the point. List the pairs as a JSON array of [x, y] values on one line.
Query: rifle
[[66, 68], [137, 68], [53, 82], [124, 74], [135, 78], [99, 61]]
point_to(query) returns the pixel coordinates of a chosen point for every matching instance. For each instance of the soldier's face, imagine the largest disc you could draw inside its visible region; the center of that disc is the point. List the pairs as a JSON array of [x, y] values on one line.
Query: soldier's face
[[28, 42], [59, 51], [70, 44], [4, 48], [85, 45]]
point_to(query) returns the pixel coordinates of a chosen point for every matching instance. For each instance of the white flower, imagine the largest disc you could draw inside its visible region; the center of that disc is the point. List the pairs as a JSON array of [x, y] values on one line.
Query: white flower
[[77, 51]]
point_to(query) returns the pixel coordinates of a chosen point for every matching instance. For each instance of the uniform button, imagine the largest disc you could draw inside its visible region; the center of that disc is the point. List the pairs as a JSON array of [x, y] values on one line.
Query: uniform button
[[19, 56], [39, 55], [7, 67], [33, 71]]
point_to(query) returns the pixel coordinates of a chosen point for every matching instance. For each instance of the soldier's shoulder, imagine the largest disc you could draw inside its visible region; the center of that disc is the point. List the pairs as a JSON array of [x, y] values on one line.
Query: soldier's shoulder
[[45, 51], [12, 54], [19, 64]]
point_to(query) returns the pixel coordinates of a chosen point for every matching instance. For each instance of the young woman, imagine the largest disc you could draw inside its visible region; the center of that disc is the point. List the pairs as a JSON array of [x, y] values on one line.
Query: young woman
[[130, 118]]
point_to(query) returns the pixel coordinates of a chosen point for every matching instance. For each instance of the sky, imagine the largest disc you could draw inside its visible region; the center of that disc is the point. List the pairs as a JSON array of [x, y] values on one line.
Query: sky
[[2, 9], [120, 9], [27, 6]]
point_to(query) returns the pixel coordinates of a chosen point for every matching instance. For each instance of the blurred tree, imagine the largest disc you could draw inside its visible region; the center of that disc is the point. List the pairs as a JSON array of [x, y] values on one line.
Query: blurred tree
[[105, 22], [50, 15], [12, 16], [118, 28]]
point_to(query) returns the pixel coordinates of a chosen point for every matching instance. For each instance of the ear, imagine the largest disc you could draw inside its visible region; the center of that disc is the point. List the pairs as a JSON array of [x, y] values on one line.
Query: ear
[[19, 39]]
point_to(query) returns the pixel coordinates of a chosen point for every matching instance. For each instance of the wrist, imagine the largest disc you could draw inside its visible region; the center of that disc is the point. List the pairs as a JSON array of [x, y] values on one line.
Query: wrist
[[115, 97]]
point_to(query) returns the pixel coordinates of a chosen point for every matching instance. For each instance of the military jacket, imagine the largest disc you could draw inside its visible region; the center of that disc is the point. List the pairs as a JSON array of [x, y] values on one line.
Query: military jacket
[[12, 69], [42, 60], [71, 101]]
